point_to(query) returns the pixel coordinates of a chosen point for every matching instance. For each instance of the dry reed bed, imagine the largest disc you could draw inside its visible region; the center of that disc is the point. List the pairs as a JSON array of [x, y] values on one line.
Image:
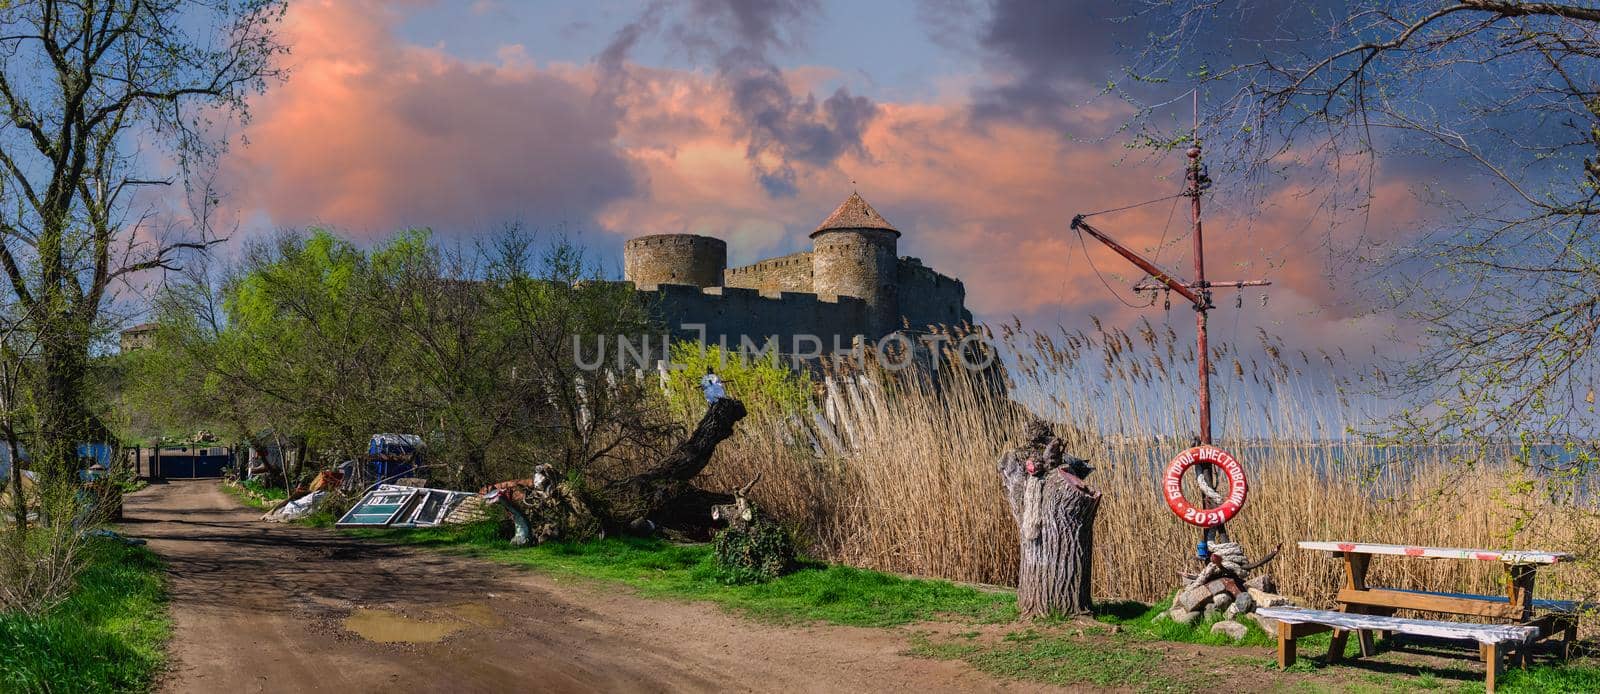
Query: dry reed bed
[[914, 489]]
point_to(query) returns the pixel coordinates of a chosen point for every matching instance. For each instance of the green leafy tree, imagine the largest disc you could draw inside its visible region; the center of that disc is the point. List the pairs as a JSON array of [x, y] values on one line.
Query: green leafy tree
[[323, 342], [81, 85]]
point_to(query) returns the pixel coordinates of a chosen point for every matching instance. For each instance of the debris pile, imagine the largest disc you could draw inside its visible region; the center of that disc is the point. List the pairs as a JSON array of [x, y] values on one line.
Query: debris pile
[[543, 509], [1224, 589], [296, 508]]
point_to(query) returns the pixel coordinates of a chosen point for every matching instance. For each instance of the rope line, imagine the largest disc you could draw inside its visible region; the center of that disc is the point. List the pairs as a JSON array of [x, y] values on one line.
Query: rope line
[[1162, 244], [1137, 204], [1103, 281]]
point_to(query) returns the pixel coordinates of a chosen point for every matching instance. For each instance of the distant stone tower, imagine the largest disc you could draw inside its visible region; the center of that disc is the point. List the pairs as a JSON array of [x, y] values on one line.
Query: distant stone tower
[[853, 254], [674, 259]]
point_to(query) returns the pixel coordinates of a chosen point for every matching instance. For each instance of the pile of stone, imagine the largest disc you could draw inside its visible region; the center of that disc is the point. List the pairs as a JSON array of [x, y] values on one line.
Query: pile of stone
[[1224, 590]]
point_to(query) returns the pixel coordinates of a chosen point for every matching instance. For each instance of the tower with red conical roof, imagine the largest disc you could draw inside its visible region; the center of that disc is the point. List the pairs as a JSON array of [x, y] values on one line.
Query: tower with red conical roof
[[854, 254]]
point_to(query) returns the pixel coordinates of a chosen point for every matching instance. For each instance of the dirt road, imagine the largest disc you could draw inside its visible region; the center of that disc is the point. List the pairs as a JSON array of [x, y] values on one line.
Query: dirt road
[[261, 607]]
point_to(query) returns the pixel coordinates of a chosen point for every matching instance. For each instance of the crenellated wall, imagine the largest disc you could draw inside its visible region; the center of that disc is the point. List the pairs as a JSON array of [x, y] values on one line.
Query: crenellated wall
[[732, 313], [789, 273]]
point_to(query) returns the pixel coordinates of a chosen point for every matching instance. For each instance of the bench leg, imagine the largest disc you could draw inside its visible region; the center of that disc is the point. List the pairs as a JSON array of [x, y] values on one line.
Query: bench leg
[[1336, 645], [1491, 665], [1286, 645], [1368, 648], [1569, 636], [1365, 636]]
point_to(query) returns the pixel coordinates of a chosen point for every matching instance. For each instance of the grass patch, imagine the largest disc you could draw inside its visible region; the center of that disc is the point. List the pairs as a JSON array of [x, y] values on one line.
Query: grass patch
[[109, 636], [816, 592], [1059, 658], [1547, 678], [254, 494], [1140, 621]]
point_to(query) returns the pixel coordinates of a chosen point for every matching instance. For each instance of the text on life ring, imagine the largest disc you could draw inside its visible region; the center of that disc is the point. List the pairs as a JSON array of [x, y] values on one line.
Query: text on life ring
[[1172, 486]]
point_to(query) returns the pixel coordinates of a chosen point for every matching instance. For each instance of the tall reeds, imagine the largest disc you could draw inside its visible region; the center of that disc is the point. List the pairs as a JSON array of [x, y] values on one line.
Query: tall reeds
[[896, 472]]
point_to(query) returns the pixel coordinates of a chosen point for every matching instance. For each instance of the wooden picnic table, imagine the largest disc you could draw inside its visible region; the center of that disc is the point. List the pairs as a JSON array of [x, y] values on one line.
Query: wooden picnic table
[[1517, 605]]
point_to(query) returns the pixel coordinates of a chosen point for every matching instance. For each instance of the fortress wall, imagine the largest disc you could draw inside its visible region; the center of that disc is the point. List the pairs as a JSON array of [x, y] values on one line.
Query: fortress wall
[[789, 273], [674, 259], [928, 297], [732, 312]]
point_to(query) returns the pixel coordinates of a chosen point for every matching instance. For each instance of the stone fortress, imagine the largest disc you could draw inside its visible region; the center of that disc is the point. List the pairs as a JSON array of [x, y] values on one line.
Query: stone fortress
[[852, 283]]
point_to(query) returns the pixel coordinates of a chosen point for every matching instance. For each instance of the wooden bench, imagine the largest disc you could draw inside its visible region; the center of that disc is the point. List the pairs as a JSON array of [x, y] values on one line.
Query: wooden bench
[[1518, 605], [1494, 640]]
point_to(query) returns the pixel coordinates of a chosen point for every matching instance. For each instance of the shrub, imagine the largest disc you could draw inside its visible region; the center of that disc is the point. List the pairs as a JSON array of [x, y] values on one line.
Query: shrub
[[755, 552]]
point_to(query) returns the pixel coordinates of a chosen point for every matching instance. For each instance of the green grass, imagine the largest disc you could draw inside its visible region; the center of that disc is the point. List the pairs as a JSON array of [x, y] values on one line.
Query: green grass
[[1063, 659], [109, 636], [1546, 678], [254, 494], [833, 594], [1139, 621], [1122, 653]]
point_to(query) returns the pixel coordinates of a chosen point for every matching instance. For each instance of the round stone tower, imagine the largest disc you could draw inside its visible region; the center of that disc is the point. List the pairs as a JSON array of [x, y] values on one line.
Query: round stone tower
[[853, 254], [674, 259]]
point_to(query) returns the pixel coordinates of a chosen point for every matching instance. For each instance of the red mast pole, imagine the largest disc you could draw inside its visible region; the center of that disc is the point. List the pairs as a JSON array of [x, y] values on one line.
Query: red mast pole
[[1201, 309], [1204, 304]]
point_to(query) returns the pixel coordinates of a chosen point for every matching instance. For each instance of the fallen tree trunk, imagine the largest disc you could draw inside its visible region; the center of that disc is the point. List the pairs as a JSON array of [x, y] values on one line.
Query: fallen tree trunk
[[661, 496], [1054, 510]]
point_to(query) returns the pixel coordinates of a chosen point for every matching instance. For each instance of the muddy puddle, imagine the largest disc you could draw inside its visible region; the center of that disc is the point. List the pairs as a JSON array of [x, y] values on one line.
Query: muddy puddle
[[383, 626]]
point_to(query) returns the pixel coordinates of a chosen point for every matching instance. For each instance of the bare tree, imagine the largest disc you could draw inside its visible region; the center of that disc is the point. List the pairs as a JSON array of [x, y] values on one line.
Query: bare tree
[[1490, 111], [82, 83]]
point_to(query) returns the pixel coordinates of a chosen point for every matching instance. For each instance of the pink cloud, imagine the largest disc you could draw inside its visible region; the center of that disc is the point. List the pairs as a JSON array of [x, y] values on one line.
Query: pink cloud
[[371, 135]]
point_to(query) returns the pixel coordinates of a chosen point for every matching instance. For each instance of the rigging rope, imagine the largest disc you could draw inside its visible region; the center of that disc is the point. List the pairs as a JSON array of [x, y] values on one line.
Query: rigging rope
[[1137, 204], [1164, 230], [1103, 281]]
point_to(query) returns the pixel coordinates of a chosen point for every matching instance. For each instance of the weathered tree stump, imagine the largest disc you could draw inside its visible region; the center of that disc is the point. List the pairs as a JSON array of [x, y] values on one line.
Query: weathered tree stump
[[1054, 510]]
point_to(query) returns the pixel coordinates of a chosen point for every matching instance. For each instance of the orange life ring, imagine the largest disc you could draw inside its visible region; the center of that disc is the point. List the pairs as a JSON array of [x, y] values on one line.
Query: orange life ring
[[1172, 486]]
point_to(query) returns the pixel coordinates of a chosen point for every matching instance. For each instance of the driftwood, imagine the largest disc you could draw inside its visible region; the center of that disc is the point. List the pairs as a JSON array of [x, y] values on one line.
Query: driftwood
[[741, 513], [1054, 510], [661, 496]]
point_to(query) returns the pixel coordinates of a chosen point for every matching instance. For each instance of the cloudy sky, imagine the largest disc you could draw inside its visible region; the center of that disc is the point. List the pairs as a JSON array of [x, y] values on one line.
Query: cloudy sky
[[973, 126]]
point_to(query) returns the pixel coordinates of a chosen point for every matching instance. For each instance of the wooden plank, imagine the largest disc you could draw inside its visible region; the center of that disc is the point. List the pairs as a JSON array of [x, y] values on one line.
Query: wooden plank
[[1507, 556], [1336, 645], [1407, 600], [1355, 570], [1540, 604], [1482, 633], [1355, 579]]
